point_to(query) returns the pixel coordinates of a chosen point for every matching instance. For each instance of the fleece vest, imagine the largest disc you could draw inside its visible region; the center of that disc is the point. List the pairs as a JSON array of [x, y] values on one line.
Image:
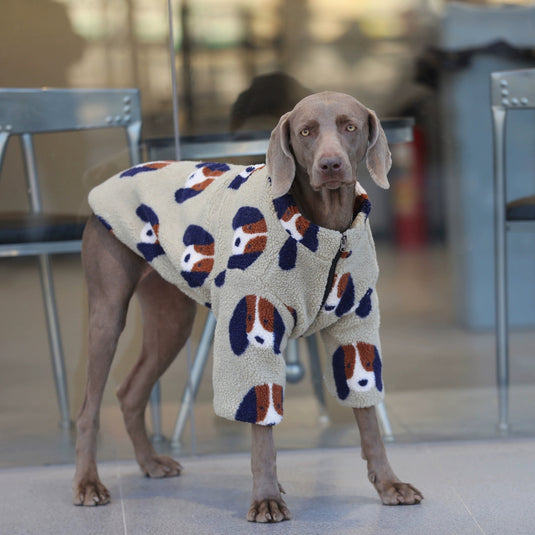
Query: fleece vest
[[268, 274]]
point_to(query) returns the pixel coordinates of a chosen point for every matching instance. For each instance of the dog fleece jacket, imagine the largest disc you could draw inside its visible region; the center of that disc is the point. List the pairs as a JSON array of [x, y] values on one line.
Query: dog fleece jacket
[[268, 274]]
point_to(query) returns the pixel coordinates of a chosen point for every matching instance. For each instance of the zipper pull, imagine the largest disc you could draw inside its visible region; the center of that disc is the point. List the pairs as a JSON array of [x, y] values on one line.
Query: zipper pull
[[332, 271], [343, 243]]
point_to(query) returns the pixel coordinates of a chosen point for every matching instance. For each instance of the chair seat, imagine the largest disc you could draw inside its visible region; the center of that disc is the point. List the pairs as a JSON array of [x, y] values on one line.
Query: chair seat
[[521, 209], [28, 228]]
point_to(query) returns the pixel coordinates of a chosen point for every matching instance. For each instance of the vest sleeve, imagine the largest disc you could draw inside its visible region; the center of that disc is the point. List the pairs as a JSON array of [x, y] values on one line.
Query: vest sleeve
[[353, 370], [249, 373]]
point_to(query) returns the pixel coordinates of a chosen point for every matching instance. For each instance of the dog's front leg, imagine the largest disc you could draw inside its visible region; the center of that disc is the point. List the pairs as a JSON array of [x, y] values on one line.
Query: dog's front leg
[[267, 504], [391, 490]]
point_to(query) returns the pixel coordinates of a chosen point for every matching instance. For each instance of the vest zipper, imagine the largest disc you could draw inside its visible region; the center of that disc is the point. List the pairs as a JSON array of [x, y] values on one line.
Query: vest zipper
[[332, 271]]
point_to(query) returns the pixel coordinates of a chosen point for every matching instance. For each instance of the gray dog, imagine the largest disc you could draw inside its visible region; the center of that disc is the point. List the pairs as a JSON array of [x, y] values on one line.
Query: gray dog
[[277, 251]]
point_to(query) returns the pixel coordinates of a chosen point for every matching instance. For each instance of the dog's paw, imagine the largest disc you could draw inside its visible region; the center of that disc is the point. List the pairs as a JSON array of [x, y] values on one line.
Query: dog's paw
[[90, 492], [264, 511], [161, 466], [398, 493]]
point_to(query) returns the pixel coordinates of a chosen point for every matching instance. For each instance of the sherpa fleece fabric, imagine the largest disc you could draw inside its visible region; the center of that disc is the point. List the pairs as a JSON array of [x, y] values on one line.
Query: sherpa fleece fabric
[[268, 274]]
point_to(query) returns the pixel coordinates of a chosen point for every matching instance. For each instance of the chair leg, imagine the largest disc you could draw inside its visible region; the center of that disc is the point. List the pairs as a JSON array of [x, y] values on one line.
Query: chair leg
[[54, 339], [384, 422], [502, 339], [194, 380], [295, 370], [156, 413], [500, 254]]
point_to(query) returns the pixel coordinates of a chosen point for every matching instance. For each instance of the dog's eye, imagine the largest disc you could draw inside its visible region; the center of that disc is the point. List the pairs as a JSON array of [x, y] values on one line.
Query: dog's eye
[[351, 128], [305, 132]]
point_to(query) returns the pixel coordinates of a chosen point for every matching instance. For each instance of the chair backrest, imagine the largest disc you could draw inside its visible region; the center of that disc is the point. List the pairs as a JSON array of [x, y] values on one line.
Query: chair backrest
[[25, 112], [512, 90], [240, 144]]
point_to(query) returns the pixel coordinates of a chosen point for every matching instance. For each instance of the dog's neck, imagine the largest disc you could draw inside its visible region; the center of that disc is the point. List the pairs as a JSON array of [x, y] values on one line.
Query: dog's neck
[[332, 209]]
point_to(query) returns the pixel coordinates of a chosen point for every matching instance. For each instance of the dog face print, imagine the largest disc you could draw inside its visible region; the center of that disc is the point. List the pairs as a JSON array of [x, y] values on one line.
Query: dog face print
[[297, 226], [262, 405], [144, 168], [149, 244], [341, 298], [200, 179], [198, 257], [249, 239], [255, 322], [244, 176], [356, 367], [300, 229]]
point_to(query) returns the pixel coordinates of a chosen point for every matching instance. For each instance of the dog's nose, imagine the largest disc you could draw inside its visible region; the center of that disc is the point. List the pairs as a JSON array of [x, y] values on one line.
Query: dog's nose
[[330, 164], [363, 382]]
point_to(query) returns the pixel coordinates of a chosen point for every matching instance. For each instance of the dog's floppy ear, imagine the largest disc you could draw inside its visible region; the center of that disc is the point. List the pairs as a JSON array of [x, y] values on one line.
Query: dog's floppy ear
[[279, 159], [378, 157]]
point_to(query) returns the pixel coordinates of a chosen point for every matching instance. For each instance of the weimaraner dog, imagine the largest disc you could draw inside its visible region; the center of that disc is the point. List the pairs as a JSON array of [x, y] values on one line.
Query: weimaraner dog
[[313, 154]]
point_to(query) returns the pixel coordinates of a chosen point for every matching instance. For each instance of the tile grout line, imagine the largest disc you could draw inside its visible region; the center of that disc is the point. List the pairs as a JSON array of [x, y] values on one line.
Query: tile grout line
[[470, 513], [456, 492], [123, 511]]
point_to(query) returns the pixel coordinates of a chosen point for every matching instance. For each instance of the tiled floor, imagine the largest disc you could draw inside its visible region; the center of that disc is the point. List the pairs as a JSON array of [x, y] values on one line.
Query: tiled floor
[[441, 401], [469, 488]]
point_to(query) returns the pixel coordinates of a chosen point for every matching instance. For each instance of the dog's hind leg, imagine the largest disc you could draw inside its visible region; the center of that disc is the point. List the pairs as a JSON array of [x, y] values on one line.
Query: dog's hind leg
[[112, 272], [168, 316]]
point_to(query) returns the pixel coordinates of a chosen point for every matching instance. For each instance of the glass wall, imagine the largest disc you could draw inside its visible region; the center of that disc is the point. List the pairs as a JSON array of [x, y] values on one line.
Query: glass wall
[[239, 66]]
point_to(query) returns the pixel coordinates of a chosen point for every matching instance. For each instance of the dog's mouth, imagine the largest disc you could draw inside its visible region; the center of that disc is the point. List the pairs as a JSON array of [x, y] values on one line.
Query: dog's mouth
[[332, 182]]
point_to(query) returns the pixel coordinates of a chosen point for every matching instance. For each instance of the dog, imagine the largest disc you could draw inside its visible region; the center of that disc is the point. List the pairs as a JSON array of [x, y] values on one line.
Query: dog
[[276, 251]]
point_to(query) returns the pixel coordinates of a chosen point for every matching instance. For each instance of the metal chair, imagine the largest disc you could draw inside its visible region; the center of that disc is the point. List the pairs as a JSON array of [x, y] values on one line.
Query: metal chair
[[24, 113], [510, 91]]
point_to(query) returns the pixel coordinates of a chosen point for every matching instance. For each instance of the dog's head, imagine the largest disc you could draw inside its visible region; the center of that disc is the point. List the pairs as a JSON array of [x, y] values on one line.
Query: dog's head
[[327, 134]]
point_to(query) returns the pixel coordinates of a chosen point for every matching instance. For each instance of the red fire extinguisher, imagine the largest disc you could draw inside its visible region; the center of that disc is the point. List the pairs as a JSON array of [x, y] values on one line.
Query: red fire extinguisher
[[408, 193]]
